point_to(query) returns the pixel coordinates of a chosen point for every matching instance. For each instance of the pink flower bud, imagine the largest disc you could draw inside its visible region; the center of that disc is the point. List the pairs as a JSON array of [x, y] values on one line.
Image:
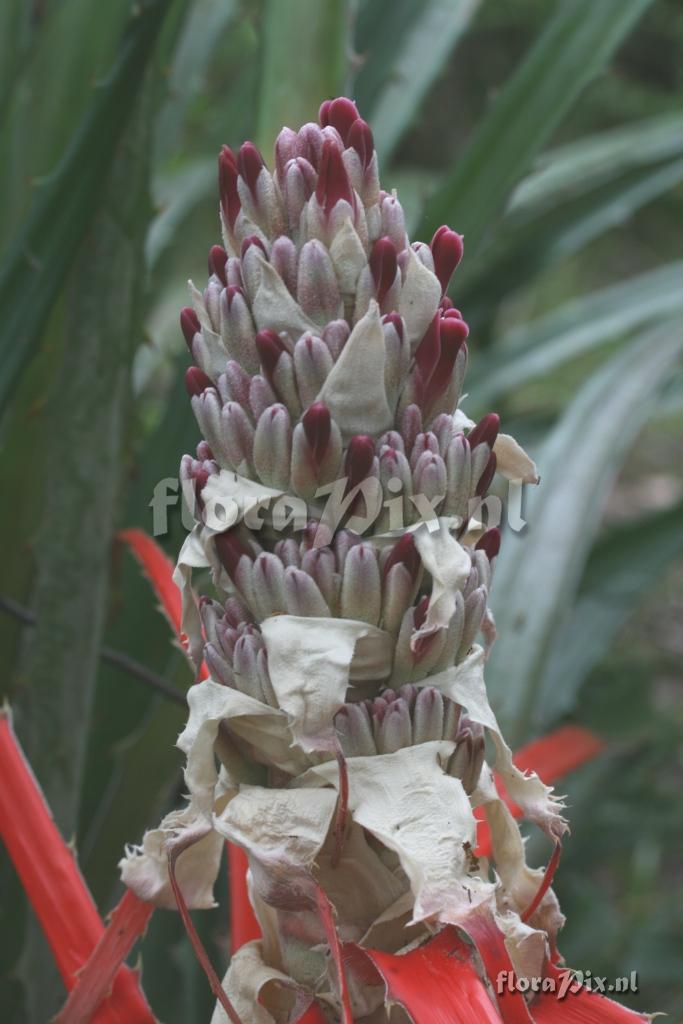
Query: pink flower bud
[[447, 251]]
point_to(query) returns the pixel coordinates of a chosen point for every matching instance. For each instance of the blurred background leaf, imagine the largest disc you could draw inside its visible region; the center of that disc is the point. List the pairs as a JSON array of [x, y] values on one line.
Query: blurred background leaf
[[551, 135]]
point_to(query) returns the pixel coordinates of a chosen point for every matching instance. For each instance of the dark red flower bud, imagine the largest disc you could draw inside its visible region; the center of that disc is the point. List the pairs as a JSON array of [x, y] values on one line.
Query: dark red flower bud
[[189, 325], [218, 257], [340, 113], [196, 381], [428, 351], [449, 311], [231, 291], [452, 334], [270, 347], [447, 249], [360, 138], [487, 476], [360, 455], [383, 266], [486, 431], [396, 320], [252, 240], [316, 422], [227, 186], [405, 553], [230, 549], [489, 543], [333, 181], [249, 163]]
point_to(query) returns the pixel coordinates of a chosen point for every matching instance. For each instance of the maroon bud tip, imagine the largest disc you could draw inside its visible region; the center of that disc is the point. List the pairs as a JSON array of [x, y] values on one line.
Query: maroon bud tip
[[333, 181], [396, 321], [231, 291], [383, 266], [360, 138], [489, 543], [486, 431], [230, 550], [453, 333], [447, 251], [360, 455], [249, 164], [196, 381], [317, 422], [252, 240], [270, 347], [189, 325], [340, 114], [487, 476], [227, 185], [404, 552], [428, 351], [218, 257]]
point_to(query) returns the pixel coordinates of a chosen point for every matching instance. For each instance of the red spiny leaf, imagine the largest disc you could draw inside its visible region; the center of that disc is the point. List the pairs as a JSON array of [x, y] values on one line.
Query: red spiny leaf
[[55, 887], [196, 942], [243, 924], [127, 923], [159, 571], [436, 983], [551, 757], [546, 882], [578, 1005]]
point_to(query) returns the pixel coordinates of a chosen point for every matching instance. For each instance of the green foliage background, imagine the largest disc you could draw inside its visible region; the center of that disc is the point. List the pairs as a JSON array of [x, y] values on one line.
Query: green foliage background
[[551, 134]]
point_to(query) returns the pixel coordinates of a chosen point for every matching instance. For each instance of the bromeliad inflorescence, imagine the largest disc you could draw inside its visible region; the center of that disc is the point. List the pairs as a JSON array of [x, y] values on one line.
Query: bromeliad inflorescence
[[340, 739]]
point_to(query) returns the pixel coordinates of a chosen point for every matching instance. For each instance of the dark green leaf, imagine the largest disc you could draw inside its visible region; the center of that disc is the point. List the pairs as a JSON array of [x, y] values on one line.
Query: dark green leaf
[[575, 46], [42, 254]]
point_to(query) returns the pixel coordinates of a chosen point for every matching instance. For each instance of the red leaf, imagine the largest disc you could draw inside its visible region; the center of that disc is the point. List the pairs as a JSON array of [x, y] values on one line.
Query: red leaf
[[159, 571], [327, 915], [490, 943], [243, 924], [54, 885], [127, 923], [436, 983], [579, 1005], [551, 757]]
